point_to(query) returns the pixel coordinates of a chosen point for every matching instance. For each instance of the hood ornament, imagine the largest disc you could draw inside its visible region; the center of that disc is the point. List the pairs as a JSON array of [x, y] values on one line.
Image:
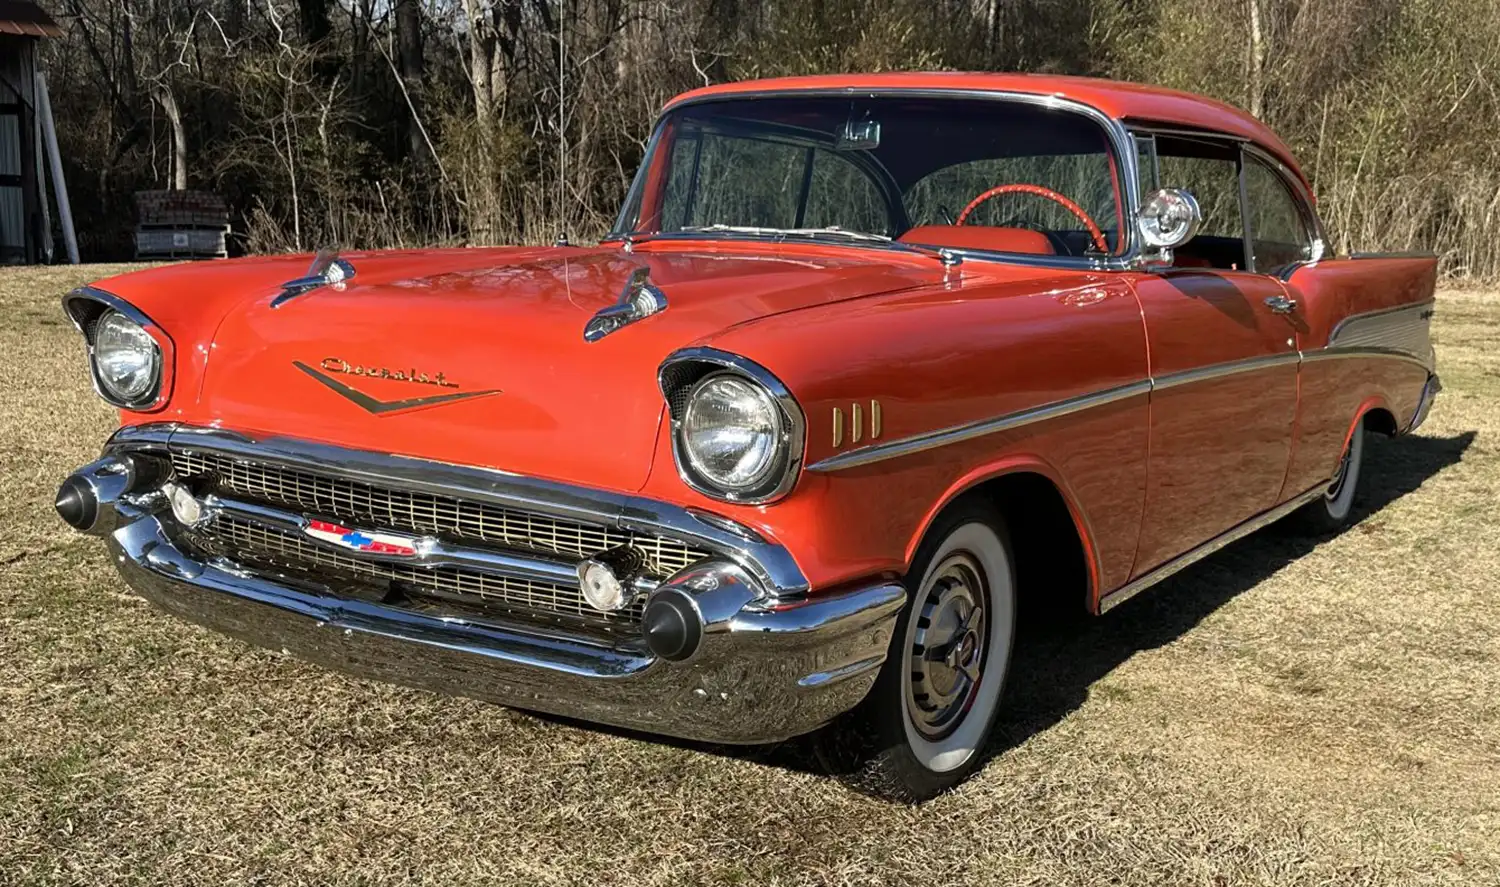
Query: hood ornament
[[639, 299], [327, 269]]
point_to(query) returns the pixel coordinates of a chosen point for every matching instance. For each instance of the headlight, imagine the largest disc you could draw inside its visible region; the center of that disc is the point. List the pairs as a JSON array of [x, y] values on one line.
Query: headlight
[[127, 361], [733, 437]]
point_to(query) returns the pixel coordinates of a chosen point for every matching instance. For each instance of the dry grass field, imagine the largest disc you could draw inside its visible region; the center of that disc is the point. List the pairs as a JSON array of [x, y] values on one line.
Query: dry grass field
[[1287, 712]]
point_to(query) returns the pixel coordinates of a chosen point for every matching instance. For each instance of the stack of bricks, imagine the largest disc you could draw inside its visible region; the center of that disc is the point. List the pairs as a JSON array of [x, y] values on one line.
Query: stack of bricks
[[181, 225]]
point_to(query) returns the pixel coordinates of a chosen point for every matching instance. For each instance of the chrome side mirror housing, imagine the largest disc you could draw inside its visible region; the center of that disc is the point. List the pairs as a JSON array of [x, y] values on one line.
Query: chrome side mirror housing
[[1168, 218]]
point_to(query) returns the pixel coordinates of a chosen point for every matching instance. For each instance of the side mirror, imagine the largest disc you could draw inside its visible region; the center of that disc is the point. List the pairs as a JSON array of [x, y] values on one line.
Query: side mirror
[[1168, 218]]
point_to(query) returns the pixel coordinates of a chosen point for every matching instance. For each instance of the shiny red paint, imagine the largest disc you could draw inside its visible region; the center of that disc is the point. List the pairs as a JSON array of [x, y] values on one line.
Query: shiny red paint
[[1146, 476]]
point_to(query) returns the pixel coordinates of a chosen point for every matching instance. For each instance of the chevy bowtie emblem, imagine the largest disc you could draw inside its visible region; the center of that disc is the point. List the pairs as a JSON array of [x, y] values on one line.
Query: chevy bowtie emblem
[[331, 365], [359, 540]]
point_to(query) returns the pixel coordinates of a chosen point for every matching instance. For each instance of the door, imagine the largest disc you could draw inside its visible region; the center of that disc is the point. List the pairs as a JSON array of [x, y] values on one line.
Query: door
[[1224, 364]]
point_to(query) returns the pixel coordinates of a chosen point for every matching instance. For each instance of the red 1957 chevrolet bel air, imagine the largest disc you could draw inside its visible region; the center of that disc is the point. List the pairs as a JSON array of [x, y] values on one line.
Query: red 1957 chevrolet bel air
[[866, 362]]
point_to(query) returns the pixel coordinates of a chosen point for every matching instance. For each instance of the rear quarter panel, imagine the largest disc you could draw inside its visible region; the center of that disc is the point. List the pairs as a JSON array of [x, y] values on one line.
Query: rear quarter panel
[[1363, 334]]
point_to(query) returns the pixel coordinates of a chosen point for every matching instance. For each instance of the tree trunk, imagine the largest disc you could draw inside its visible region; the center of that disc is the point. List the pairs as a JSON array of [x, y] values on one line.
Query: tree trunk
[[168, 102], [481, 62], [409, 45], [1256, 79]]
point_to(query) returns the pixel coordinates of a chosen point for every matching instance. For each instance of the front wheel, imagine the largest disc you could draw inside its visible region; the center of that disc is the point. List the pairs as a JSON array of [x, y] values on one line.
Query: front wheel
[[924, 726], [1330, 512]]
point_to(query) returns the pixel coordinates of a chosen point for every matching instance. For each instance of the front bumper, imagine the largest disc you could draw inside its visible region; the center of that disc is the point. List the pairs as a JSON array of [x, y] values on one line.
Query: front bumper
[[766, 668]]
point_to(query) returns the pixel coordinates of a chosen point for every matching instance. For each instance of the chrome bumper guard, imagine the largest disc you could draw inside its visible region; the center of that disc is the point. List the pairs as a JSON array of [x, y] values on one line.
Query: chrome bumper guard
[[770, 665], [1424, 404]]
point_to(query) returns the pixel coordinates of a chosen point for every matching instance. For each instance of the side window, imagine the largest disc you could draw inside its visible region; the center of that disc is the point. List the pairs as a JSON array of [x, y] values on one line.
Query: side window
[[841, 194], [1211, 173], [1278, 232]]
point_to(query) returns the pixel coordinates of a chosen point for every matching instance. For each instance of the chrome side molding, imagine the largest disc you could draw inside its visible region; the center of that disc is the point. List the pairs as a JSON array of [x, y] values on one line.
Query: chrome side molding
[[1187, 559]]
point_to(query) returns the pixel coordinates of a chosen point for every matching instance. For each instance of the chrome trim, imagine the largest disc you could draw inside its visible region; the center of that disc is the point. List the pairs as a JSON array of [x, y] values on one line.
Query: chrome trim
[[159, 392], [431, 552], [1220, 370], [959, 433], [794, 433], [1366, 353], [771, 564], [1183, 561], [1398, 330], [1115, 131], [624, 312], [1281, 304], [761, 675], [319, 273], [1424, 403]]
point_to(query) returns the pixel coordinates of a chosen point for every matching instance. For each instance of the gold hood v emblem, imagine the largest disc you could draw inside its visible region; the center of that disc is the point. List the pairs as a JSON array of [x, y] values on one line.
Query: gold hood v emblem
[[379, 407]]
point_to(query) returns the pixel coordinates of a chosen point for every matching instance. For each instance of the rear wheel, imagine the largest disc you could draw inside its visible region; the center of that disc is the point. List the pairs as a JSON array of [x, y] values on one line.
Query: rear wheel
[[925, 724], [1331, 511]]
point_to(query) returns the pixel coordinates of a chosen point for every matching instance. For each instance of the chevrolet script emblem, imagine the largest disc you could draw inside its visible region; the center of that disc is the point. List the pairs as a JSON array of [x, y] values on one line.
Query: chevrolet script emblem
[[331, 366]]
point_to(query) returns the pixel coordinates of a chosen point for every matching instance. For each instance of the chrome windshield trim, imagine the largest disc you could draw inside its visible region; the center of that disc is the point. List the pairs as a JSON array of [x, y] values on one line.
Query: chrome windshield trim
[[769, 563], [1115, 131]]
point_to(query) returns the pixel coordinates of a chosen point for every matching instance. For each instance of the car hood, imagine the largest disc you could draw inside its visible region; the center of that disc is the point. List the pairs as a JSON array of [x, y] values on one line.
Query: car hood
[[478, 356]]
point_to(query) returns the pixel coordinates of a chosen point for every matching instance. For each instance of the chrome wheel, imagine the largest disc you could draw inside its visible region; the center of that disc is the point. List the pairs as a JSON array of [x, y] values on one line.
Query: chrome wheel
[[945, 660]]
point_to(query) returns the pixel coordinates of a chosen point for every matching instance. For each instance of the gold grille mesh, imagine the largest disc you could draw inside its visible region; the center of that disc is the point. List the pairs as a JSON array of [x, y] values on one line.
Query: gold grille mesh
[[258, 546], [369, 507]]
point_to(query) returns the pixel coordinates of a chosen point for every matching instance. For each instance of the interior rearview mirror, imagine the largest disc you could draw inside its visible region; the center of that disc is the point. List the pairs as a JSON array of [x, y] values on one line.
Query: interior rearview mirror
[[1168, 218]]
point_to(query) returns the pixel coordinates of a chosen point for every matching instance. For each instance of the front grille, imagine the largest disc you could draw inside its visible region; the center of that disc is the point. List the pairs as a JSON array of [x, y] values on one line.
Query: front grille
[[269, 549], [458, 521], [370, 507]]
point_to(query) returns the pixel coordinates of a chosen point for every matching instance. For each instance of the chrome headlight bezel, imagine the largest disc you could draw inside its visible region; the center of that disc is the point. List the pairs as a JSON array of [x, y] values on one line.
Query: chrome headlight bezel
[[687, 374], [90, 309]]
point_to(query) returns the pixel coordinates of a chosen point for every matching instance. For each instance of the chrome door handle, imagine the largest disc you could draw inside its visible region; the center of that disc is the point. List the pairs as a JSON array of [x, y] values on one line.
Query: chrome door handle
[[1281, 304]]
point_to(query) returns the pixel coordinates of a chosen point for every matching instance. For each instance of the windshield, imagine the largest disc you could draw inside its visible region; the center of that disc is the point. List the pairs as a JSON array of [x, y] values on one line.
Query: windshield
[[974, 174]]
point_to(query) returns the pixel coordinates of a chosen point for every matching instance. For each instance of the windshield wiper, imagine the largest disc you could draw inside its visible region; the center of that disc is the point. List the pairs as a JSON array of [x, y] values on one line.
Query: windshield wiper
[[831, 231]]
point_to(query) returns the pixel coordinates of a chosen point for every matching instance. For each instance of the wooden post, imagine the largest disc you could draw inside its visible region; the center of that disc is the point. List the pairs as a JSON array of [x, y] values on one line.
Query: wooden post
[[49, 132]]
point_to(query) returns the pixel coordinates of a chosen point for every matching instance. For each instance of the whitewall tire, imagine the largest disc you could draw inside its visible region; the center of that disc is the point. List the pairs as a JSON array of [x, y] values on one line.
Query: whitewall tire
[[925, 725]]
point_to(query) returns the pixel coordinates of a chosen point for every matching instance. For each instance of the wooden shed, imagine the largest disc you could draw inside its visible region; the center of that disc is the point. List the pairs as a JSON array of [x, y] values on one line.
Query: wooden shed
[[25, 134]]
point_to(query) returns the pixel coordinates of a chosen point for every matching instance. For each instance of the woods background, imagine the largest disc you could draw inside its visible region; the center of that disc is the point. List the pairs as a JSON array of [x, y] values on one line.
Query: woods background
[[374, 123]]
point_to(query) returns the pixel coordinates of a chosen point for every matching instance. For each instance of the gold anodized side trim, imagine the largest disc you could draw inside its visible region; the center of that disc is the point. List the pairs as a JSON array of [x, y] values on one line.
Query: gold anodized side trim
[[1056, 409]]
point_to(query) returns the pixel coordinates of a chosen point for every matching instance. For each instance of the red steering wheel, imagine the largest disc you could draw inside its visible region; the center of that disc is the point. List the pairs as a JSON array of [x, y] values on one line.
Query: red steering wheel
[[1093, 227]]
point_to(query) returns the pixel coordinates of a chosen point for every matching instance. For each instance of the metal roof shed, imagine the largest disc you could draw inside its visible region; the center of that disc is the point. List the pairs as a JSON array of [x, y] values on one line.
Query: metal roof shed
[[25, 124]]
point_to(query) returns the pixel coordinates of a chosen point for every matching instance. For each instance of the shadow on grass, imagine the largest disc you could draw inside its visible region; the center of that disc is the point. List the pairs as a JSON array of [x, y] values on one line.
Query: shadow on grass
[[1074, 654]]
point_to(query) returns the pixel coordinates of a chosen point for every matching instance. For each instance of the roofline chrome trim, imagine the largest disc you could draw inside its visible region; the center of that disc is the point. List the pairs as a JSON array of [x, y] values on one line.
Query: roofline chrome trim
[[1056, 409], [769, 563], [1183, 561], [1119, 137]]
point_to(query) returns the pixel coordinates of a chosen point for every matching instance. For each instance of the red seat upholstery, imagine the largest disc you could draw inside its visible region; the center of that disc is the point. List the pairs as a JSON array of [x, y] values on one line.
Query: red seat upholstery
[[1007, 240]]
